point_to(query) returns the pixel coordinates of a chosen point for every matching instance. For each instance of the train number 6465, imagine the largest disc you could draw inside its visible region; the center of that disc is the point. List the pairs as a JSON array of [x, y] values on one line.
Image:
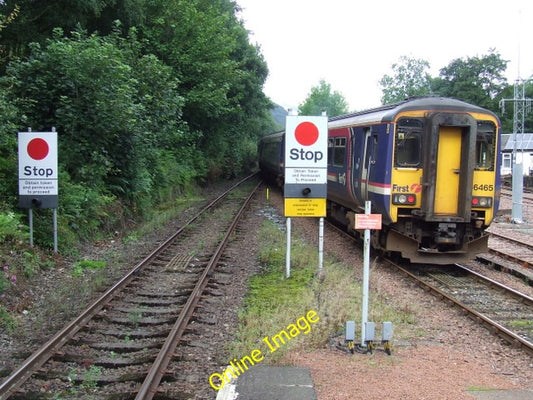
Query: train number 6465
[[484, 188]]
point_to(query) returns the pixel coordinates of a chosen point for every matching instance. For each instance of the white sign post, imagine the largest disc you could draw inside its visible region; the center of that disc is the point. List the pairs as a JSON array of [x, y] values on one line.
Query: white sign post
[[306, 168], [38, 174], [367, 222]]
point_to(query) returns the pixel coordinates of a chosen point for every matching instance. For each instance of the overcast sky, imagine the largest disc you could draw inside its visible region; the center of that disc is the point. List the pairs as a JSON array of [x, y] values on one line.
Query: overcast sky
[[351, 44]]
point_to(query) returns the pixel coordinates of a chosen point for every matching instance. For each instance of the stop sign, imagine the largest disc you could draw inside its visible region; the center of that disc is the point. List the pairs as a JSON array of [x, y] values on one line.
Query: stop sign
[[306, 142], [38, 172]]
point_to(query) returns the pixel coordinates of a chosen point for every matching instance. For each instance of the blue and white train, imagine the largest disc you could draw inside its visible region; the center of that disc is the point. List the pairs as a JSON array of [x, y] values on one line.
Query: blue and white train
[[429, 165]]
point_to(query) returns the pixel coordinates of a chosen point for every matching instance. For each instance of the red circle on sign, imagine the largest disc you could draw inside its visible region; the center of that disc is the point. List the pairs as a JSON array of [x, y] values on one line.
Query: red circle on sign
[[38, 148], [306, 133]]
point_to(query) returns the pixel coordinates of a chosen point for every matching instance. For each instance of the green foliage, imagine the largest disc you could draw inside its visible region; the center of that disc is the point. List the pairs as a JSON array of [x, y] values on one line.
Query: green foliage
[[37, 19], [11, 228], [410, 79], [84, 210], [8, 151], [30, 263], [322, 99], [7, 279], [270, 290], [477, 80], [148, 98], [221, 75], [79, 267], [7, 321], [272, 301]]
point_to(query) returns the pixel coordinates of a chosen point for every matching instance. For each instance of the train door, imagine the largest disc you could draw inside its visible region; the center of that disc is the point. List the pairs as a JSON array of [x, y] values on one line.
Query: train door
[[368, 161], [448, 170], [337, 167], [448, 167]]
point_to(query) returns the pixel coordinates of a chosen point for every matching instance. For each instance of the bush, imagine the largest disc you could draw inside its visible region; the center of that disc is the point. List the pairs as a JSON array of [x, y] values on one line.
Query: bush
[[11, 228]]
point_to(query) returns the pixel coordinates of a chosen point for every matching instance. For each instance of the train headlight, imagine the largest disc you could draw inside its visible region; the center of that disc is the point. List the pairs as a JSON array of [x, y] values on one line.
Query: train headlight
[[482, 202], [403, 199]]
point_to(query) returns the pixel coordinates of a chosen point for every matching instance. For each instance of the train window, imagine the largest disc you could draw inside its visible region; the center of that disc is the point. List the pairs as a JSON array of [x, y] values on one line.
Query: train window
[[485, 146], [340, 151], [271, 151], [331, 149], [408, 146], [337, 151]]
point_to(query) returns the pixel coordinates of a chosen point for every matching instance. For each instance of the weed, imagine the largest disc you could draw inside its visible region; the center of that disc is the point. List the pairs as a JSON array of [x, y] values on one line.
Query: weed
[[79, 267], [31, 262], [135, 316], [479, 389], [7, 279], [11, 228], [90, 378], [521, 323], [273, 302], [7, 320]]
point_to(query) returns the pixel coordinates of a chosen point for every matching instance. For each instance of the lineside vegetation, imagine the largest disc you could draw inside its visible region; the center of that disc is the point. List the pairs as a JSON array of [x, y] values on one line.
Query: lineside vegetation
[[274, 302]]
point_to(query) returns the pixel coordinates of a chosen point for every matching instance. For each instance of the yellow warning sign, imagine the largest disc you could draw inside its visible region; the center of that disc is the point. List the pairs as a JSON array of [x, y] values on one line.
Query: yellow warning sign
[[305, 207]]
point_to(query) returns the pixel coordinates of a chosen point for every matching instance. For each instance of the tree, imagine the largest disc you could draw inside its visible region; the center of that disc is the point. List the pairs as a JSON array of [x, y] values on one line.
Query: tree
[[410, 78], [113, 108], [322, 99], [221, 75], [37, 19], [477, 80]]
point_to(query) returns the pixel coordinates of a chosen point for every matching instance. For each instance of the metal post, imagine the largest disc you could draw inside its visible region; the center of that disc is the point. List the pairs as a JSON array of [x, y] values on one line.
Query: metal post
[[55, 230], [366, 273], [518, 188], [320, 243], [522, 106], [30, 223], [288, 256]]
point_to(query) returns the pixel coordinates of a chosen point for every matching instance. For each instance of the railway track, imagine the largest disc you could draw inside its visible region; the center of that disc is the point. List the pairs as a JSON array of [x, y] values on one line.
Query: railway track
[[503, 310], [123, 345], [514, 250]]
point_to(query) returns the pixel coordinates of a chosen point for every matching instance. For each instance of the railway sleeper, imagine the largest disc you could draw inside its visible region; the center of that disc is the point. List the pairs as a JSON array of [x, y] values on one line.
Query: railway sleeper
[[124, 347], [140, 321], [108, 362]]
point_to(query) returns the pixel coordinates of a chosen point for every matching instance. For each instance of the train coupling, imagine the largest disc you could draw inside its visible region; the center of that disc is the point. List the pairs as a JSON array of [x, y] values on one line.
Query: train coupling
[[446, 233]]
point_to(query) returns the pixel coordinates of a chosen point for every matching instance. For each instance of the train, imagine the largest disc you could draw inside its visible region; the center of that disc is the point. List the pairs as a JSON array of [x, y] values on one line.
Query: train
[[429, 165]]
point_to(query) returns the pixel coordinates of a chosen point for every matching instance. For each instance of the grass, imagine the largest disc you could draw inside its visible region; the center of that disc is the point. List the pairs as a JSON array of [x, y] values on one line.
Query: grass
[[480, 389], [521, 323], [274, 302]]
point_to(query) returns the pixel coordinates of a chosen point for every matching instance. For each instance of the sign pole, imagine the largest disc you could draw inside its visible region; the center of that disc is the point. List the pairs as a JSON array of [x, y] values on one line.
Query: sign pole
[[288, 253], [366, 273], [55, 230], [30, 223], [320, 243]]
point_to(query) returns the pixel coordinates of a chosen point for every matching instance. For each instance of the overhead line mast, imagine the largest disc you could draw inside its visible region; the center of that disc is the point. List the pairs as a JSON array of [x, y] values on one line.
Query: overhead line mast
[[522, 106]]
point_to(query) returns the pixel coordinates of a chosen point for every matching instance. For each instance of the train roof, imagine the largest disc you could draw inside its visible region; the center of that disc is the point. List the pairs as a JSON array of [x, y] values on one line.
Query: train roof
[[388, 113], [272, 137]]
